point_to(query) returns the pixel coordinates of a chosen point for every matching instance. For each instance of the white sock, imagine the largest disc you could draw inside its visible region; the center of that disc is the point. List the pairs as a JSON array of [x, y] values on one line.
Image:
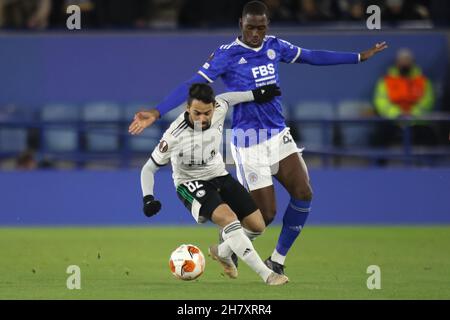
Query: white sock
[[238, 242], [277, 257], [225, 250], [252, 235]]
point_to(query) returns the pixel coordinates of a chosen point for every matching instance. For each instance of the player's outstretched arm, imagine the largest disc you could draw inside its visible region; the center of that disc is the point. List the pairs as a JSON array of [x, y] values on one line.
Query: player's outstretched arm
[[260, 95], [151, 205], [326, 58], [177, 97], [373, 51], [142, 120]]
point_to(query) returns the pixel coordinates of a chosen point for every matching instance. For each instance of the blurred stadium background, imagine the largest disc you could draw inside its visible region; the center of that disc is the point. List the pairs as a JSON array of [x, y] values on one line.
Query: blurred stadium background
[[67, 97]]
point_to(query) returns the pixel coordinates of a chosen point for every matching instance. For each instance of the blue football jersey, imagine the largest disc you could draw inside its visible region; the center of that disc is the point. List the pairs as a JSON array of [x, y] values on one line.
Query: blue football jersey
[[244, 68]]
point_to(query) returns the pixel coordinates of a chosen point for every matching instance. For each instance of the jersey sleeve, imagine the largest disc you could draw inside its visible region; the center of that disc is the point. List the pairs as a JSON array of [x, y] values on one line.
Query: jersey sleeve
[[289, 52], [215, 66], [232, 98], [161, 154], [221, 110]]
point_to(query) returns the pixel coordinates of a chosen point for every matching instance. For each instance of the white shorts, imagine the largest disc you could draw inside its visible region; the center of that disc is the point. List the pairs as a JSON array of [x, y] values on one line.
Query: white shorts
[[256, 164]]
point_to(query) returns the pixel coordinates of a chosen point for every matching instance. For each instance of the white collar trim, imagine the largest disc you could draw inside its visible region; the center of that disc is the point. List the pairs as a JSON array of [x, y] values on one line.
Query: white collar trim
[[239, 42]]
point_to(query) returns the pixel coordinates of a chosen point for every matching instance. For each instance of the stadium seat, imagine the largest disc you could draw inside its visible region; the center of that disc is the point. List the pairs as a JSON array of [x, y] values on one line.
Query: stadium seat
[[60, 138], [312, 135], [13, 139], [358, 134], [147, 140], [102, 137]]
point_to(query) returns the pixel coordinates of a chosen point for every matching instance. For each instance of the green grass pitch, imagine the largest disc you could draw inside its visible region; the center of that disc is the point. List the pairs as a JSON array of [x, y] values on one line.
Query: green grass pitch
[[132, 263]]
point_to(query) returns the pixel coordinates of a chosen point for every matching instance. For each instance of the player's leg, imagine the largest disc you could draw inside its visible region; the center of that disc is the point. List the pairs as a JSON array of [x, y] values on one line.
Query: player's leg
[[236, 240], [204, 202], [293, 175], [240, 201], [289, 168], [254, 173], [255, 223], [201, 198], [266, 202]]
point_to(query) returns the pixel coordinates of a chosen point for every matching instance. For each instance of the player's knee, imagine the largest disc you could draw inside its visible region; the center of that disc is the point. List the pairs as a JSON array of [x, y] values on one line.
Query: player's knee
[[307, 194], [268, 220], [229, 217], [254, 222], [269, 216], [223, 215], [258, 225], [303, 192]]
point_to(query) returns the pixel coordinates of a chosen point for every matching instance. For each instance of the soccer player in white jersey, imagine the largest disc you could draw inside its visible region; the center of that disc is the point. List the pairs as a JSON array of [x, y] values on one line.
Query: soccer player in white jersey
[[192, 144], [250, 61]]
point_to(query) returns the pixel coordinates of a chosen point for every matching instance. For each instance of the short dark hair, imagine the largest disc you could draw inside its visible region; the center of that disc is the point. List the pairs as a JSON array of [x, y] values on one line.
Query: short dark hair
[[256, 8], [202, 92]]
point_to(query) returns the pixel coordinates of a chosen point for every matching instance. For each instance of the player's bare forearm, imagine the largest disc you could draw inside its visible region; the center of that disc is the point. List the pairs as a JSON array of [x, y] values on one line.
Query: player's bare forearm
[[372, 51], [142, 120]]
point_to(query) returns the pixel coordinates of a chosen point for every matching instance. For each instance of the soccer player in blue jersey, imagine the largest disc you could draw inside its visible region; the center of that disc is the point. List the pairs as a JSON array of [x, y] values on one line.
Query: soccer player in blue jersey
[[262, 146]]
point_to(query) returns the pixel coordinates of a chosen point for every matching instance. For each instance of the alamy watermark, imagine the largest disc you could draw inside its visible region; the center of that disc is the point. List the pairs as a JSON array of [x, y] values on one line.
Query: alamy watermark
[[73, 22], [257, 148], [74, 280], [373, 22], [374, 280]]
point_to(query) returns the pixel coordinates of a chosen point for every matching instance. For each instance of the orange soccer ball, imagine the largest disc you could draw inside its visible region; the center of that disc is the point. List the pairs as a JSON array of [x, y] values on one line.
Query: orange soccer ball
[[187, 262]]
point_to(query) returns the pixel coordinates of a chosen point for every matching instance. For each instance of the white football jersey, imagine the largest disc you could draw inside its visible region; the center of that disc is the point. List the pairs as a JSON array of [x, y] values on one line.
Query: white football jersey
[[193, 152]]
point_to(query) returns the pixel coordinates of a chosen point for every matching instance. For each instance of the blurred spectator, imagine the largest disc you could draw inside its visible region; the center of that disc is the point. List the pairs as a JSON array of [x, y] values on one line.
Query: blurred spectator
[[354, 10], [210, 14], [170, 14], [315, 10], [280, 10], [24, 14], [440, 12], [404, 92], [192, 14], [26, 161], [122, 14], [164, 13], [399, 10]]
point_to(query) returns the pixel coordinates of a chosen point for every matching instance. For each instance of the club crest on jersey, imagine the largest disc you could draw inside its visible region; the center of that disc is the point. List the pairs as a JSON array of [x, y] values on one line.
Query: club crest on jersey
[[163, 146], [200, 193], [252, 177], [271, 54]]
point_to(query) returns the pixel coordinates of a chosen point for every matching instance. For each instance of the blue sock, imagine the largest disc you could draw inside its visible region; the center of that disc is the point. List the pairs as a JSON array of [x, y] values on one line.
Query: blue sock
[[293, 221]]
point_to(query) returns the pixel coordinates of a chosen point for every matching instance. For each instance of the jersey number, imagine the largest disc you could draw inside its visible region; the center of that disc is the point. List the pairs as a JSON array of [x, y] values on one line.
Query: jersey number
[[193, 185]]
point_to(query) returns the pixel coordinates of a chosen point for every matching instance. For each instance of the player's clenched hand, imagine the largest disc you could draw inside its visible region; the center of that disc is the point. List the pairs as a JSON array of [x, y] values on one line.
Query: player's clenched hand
[[142, 120], [266, 93], [151, 205], [372, 51]]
